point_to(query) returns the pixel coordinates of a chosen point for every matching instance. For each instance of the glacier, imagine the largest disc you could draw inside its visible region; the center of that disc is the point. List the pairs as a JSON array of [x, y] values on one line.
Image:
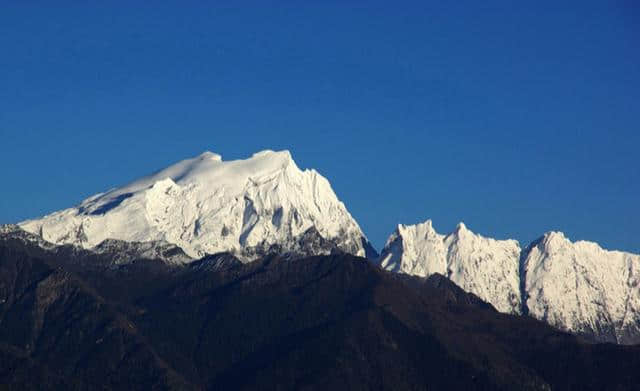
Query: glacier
[[578, 286], [582, 288], [205, 205], [483, 266]]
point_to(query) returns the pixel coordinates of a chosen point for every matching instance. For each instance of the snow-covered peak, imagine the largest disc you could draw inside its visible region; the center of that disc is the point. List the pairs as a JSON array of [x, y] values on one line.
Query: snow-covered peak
[[575, 286], [486, 267], [421, 230], [583, 288], [461, 227], [208, 155], [550, 235], [553, 240], [208, 169], [416, 242], [284, 154], [461, 231], [207, 205]]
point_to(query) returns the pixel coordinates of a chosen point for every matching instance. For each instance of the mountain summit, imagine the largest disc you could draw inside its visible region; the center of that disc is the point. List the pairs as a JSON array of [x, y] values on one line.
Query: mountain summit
[[206, 205], [484, 266], [574, 286]]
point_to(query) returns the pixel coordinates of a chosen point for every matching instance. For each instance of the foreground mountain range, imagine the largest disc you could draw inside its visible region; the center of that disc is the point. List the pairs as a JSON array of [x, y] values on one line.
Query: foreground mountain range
[[75, 319], [266, 205]]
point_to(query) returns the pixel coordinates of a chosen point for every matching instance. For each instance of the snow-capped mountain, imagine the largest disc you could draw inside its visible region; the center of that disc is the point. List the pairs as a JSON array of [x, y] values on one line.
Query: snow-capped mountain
[[205, 205], [583, 288], [483, 266], [242, 210], [578, 287]]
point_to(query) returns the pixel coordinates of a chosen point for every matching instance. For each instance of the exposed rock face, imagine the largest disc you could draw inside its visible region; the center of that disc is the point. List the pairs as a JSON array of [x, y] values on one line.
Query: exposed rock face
[[116, 252], [122, 252]]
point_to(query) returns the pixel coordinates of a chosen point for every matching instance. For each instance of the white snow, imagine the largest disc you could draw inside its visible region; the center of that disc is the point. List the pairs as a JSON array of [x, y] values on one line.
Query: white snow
[[580, 287], [483, 266], [206, 205]]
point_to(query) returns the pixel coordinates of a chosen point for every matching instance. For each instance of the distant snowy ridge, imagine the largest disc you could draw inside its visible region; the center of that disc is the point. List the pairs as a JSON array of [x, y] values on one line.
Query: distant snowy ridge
[[205, 205], [583, 288], [266, 204], [483, 266], [578, 287]]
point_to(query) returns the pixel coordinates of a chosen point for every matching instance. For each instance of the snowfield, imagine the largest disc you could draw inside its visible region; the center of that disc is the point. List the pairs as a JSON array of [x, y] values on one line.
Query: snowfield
[[206, 205], [579, 287], [486, 267]]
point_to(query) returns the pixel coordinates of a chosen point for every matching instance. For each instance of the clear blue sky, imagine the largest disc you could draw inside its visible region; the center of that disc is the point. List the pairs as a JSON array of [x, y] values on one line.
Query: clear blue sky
[[514, 119]]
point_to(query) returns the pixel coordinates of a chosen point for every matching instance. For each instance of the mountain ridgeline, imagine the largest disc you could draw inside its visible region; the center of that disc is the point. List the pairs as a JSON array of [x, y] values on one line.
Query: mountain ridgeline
[[578, 287], [205, 205], [74, 319], [206, 213]]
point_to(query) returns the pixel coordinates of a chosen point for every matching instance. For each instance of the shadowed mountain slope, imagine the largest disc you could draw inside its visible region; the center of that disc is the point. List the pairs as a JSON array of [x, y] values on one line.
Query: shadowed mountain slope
[[324, 322]]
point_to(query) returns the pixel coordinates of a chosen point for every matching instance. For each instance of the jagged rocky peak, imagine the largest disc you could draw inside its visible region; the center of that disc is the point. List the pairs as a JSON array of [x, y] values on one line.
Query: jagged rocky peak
[[575, 286], [583, 288], [461, 228], [552, 241], [206, 205], [409, 246], [486, 267]]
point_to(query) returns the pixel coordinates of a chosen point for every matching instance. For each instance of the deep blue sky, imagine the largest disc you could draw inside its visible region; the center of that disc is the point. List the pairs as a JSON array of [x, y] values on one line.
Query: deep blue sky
[[515, 119]]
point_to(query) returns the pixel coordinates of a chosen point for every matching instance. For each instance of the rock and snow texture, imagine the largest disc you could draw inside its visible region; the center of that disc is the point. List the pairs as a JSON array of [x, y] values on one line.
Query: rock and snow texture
[[117, 251], [483, 266], [15, 232], [121, 252], [583, 288], [578, 287], [206, 205]]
